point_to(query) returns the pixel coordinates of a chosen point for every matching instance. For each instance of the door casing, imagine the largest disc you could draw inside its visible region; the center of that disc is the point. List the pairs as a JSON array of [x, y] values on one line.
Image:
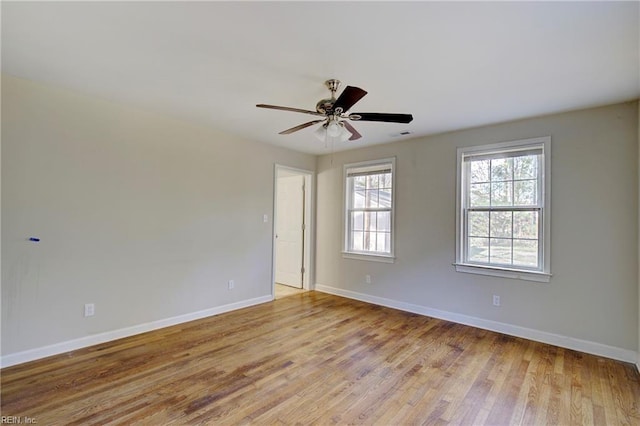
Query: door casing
[[309, 231]]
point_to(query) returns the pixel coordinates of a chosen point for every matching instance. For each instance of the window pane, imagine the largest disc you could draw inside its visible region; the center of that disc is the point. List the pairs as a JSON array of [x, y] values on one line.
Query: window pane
[[357, 221], [501, 223], [369, 221], [525, 193], [384, 198], [500, 251], [478, 224], [501, 194], [502, 169], [478, 250], [357, 241], [480, 171], [525, 253], [384, 221], [479, 194], [382, 242], [525, 167], [358, 199], [371, 198], [372, 181], [385, 181], [359, 182], [369, 241], [525, 225]]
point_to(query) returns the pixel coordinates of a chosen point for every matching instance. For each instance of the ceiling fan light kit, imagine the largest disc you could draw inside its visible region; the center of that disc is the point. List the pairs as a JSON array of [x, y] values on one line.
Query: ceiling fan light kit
[[336, 113], [334, 130]]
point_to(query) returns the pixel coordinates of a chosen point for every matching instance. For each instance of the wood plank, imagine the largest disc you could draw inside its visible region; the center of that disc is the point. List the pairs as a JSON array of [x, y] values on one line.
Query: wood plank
[[315, 358]]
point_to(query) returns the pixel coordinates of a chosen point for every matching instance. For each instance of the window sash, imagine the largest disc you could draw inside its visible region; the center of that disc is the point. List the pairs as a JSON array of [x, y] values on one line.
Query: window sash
[[512, 238], [539, 179], [377, 231]]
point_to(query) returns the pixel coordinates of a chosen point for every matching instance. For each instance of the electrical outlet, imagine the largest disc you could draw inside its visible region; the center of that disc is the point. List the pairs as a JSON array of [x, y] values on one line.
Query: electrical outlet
[[89, 310], [496, 300], [232, 284], [367, 279]]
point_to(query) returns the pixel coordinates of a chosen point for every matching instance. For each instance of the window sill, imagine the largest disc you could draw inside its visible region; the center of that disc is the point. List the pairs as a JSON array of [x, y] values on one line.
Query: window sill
[[370, 257], [541, 277]]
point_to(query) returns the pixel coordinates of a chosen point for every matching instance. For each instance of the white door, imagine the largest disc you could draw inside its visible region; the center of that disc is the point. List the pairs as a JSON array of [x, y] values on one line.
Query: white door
[[290, 230]]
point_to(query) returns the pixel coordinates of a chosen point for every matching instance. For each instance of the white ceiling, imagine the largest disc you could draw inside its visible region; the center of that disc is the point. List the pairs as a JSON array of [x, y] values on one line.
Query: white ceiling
[[453, 65]]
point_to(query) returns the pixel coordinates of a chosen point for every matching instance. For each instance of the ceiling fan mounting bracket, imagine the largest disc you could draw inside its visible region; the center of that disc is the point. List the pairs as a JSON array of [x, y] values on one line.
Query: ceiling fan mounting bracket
[[332, 84]]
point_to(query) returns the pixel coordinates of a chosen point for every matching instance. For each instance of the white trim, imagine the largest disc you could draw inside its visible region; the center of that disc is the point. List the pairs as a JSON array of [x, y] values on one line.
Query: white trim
[[369, 256], [545, 274], [309, 232], [83, 342], [507, 145], [586, 346], [540, 277], [390, 257]]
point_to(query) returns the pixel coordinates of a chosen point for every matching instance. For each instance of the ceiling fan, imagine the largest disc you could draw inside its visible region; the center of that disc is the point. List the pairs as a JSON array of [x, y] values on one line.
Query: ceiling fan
[[335, 113]]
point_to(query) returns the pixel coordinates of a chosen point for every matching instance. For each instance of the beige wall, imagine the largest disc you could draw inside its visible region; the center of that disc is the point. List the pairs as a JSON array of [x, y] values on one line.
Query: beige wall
[[145, 216], [593, 294], [149, 217]]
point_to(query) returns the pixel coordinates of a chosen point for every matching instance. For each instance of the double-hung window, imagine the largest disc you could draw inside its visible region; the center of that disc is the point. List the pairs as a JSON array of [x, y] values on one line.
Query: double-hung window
[[369, 207], [503, 209]]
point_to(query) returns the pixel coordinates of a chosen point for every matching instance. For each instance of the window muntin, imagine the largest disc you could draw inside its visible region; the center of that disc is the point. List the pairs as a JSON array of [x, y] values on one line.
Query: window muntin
[[503, 213], [369, 208]]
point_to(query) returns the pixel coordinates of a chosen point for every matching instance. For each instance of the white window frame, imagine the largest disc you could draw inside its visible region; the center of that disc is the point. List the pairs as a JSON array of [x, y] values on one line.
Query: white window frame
[[384, 163], [541, 274]]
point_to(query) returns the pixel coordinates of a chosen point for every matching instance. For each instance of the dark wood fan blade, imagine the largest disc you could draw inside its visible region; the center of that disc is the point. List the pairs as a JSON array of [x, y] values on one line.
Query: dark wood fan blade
[[300, 127], [349, 96], [377, 116], [304, 111], [354, 133]]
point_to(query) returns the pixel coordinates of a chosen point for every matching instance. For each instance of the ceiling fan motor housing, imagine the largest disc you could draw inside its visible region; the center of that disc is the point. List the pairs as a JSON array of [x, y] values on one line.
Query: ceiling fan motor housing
[[325, 106]]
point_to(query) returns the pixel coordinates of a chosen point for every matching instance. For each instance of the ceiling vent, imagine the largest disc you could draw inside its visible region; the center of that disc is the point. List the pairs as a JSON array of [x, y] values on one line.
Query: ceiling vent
[[397, 135]]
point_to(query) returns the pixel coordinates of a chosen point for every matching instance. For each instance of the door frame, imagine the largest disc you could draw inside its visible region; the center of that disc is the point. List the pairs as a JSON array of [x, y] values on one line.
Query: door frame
[[309, 229]]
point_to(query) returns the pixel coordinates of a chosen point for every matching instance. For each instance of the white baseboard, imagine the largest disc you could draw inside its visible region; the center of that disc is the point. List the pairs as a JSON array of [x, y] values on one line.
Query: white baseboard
[[586, 346], [83, 342]]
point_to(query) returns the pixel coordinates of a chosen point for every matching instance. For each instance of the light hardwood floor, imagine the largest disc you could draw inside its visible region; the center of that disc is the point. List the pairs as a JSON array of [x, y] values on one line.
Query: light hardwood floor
[[314, 358], [285, 290]]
